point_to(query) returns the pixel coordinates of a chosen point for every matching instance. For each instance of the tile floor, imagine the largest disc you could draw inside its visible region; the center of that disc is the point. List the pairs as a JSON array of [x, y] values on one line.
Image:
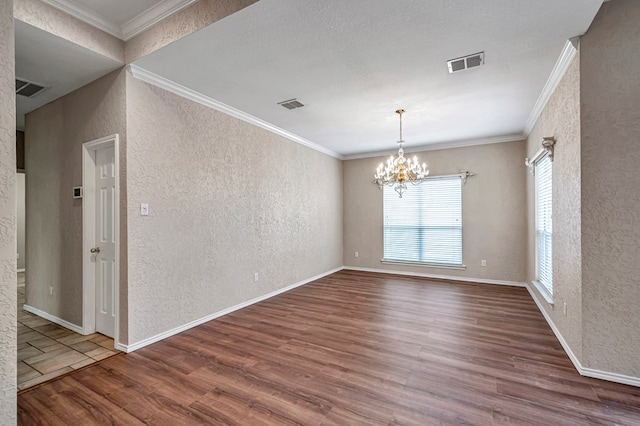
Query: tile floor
[[47, 350]]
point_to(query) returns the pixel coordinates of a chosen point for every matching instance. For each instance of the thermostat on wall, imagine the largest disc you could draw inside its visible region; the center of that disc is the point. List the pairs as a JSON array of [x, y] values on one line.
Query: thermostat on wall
[[77, 192]]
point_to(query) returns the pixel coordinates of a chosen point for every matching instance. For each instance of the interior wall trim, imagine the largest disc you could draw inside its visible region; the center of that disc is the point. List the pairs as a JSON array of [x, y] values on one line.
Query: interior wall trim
[[170, 86], [574, 359], [587, 372], [129, 29], [559, 70], [54, 319], [86, 16], [89, 225], [584, 371], [145, 342], [612, 377], [442, 145], [436, 276], [152, 16]]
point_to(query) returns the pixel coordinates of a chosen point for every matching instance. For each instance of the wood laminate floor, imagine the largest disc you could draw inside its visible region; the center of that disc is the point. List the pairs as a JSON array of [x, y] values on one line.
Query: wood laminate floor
[[352, 348]]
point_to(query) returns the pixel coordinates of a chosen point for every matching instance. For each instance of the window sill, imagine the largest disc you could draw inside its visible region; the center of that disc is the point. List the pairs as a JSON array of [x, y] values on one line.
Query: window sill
[[543, 291], [424, 264]]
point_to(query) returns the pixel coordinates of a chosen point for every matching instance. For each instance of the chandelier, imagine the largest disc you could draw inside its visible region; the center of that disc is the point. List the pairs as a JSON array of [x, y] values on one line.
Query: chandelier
[[399, 171]]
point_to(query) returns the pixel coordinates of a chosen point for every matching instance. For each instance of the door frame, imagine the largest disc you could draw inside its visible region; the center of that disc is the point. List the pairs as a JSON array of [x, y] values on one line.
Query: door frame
[[89, 232]]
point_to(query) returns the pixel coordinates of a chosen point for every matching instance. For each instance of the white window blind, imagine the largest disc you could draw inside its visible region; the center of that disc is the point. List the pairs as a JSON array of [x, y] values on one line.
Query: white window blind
[[543, 222], [425, 225]]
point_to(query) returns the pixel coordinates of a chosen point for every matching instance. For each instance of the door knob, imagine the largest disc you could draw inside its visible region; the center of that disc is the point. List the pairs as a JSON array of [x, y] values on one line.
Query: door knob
[[95, 250]]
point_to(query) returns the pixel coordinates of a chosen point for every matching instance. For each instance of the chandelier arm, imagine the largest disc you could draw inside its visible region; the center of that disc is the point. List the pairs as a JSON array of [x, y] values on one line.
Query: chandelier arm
[[398, 171]]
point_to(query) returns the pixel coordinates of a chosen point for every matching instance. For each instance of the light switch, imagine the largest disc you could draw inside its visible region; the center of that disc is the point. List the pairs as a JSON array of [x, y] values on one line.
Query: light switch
[[144, 209]]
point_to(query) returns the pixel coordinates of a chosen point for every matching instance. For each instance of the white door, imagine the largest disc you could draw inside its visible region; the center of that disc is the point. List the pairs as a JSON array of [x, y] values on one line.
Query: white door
[[105, 246]]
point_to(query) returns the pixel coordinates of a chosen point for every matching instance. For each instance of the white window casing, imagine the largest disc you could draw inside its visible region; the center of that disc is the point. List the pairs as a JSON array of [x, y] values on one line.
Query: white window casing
[[425, 225], [544, 228]]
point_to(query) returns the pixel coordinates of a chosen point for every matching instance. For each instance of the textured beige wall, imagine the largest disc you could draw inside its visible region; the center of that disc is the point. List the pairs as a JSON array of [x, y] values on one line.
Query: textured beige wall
[[493, 211], [610, 73], [8, 246], [50, 19], [561, 119], [226, 199], [55, 134], [191, 19]]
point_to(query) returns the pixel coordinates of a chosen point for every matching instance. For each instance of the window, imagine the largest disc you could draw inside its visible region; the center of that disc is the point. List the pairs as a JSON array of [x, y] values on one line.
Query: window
[[544, 232], [425, 225]]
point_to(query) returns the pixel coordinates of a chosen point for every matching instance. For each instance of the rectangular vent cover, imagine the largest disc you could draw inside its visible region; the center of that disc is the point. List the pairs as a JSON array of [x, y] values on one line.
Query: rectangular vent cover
[[28, 88], [291, 104], [466, 62]]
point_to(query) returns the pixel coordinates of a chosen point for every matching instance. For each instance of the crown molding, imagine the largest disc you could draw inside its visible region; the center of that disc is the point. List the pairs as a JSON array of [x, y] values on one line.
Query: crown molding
[[129, 29], [559, 70], [170, 86], [87, 16], [440, 145], [152, 16], [166, 84]]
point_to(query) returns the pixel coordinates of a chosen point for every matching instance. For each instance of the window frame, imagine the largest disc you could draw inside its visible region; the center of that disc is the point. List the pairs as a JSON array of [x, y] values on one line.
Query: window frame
[[445, 265], [545, 290]]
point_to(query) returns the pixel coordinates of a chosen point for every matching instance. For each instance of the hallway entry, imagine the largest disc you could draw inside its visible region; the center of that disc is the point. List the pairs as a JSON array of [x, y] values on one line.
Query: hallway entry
[[47, 350]]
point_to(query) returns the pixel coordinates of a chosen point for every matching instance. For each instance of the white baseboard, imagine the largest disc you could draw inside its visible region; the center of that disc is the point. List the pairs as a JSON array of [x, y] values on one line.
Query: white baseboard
[[54, 319], [137, 345], [574, 359], [439, 277], [584, 371], [612, 377], [587, 372]]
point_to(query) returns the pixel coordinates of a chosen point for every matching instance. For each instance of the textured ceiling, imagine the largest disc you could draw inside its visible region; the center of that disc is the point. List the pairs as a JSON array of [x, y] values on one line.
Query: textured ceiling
[[353, 63], [56, 63], [118, 12], [63, 66]]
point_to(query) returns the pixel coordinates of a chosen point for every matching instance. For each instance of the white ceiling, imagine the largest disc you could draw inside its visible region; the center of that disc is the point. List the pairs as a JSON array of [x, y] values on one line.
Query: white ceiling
[[116, 11], [353, 63], [56, 63]]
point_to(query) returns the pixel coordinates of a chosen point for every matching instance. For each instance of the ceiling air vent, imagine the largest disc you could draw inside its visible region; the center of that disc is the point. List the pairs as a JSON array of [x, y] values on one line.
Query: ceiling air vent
[[28, 88], [291, 104], [466, 62]]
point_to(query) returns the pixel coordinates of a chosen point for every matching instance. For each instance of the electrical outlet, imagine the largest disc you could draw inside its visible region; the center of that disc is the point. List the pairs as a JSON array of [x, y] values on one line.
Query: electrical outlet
[[144, 209], [356, 254], [255, 277], [483, 262], [50, 290]]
